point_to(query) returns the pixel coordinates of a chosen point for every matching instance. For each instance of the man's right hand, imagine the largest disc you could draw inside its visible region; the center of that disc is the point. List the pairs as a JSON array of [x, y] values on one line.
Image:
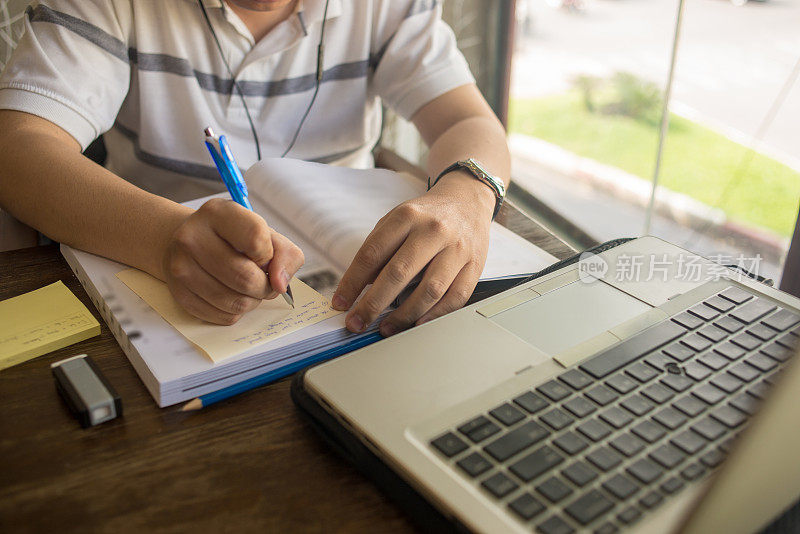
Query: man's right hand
[[224, 259]]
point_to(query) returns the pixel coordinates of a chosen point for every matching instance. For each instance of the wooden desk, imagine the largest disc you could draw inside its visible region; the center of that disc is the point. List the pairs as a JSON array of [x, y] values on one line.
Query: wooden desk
[[248, 464]]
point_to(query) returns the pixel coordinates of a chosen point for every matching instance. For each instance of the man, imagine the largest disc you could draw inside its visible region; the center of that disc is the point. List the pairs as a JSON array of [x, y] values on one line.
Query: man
[[149, 75]]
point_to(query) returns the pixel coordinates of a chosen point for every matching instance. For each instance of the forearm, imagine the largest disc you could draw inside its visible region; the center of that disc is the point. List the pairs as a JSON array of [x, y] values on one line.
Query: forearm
[[482, 138], [48, 184]]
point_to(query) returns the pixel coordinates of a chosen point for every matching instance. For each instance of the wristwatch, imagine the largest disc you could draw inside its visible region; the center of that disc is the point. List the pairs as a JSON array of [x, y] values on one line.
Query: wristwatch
[[474, 167]]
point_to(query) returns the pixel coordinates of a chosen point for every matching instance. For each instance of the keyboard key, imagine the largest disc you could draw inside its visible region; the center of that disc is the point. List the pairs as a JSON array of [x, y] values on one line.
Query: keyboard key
[[474, 464], [449, 444], [629, 515], [580, 407], [693, 472], [753, 310], [729, 350], [570, 443], [679, 351], [645, 471], [604, 458], [746, 341], [790, 341], [649, 431], [555, 525], [651, 500], [641, 372], [606, 528], [777, 352], [762, 332], [620, 486], [555, 391], [761, 362], [712, 458], [712, 333], [672, 485], [473, 424], [499, 485], [594, 430], [659, 360], [657, 393], [704, 312], [627, 444], [507, 414], [670, 418], [725, 446], [531, 402], [575, 379], [708, 428], [782, 320], [695, 371], [719, 304], [744, 372], [709, 394], [554, 490], [515, 441], [632, 349], [736, 295], [589, 507], [746, 403], [688, 320], [728, 416], [713, 361], [691, 406], [579, 473], [689, 442], [623, 384], [602, 395], [759, 390], [557, 419], [637, 405], [483, 432], [526, 506], [536, 463], [667, 456], [729, 324], [677, 383], [727, 383], [616, 417], [696, 342]]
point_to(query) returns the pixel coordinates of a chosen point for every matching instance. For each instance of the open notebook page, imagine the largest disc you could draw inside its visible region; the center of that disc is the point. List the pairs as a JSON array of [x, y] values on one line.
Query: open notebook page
[[336, 208]]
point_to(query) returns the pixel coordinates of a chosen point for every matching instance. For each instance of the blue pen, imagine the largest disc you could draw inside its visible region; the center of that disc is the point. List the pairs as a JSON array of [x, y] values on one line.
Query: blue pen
[[271, 376], [232, 177]]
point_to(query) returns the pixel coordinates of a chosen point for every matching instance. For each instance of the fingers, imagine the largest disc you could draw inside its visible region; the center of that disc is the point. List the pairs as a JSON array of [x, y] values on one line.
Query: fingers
[[286, 260], [382, 243], [246, 231], [412, 256], [221, 261], [457, 295], [435, 283], [200, 308]]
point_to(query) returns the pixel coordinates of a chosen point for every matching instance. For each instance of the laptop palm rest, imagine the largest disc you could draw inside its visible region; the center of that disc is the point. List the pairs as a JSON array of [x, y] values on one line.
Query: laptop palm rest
[[569, 315]]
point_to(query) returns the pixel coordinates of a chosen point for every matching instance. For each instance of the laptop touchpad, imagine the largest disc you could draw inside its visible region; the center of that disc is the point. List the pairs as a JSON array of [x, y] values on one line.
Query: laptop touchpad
[[569, 315]]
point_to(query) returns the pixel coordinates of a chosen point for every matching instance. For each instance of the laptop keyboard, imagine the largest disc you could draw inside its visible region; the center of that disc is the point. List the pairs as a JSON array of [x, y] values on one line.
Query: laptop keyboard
[[613, 437]]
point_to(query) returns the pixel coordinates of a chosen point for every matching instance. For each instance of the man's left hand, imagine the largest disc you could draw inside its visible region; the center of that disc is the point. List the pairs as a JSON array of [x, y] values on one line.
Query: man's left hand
[[443, 234]]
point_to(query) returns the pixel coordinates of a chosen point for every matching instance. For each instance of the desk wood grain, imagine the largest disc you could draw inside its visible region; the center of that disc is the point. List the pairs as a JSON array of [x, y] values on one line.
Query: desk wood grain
[[247, 464]]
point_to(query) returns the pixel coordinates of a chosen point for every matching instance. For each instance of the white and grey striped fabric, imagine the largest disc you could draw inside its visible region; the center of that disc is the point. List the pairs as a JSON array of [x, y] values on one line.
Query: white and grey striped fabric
[[147, 74]]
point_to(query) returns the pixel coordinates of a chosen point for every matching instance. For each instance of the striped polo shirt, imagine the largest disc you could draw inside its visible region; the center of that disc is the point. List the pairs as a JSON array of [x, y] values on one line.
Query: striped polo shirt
[[147, 75]]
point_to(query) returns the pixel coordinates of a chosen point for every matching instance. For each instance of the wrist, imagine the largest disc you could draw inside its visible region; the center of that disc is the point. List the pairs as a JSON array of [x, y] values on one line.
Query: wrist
[[462, 185]]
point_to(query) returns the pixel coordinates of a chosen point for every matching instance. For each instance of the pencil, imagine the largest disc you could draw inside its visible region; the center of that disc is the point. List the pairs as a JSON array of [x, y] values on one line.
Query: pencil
[[208, 399]]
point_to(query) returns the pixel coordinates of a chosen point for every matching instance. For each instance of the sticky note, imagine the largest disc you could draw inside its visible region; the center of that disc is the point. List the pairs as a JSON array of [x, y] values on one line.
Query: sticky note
[[42, 321], [270, 320]]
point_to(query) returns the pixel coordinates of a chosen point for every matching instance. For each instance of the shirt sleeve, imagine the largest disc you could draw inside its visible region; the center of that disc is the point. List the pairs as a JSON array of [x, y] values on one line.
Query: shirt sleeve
[[417, 58], [71, 66]]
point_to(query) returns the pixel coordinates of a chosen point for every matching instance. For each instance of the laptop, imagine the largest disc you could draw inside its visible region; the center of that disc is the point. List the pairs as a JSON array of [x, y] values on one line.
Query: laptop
[[610, 395]]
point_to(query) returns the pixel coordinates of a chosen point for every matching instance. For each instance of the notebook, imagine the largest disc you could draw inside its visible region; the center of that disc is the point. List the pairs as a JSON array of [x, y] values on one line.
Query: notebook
[[303, 201]]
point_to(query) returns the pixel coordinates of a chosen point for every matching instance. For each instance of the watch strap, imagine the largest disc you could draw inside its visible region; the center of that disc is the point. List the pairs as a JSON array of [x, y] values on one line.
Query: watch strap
[[479, 173]]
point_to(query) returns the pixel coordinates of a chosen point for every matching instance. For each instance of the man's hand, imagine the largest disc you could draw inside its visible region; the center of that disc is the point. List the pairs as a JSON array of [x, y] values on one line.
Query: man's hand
[[224, 259], [445, 232]]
